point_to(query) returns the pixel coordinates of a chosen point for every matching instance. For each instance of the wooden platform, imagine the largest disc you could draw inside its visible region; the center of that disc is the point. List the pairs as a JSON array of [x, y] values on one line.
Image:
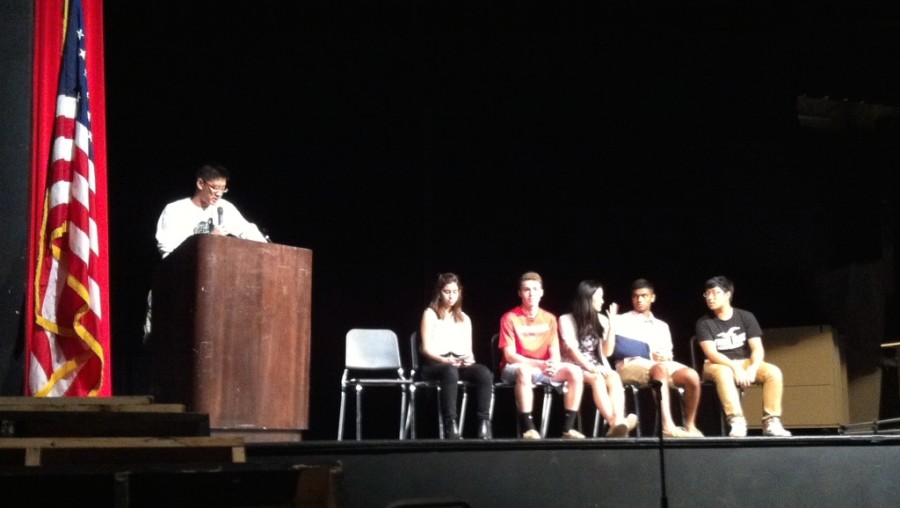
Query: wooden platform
[[32, 424], [136, 416], [120, 450], [108, 402], [108, 430], [129, 452]]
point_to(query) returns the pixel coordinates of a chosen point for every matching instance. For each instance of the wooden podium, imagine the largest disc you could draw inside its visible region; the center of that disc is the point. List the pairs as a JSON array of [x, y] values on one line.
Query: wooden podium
[[230, 335]]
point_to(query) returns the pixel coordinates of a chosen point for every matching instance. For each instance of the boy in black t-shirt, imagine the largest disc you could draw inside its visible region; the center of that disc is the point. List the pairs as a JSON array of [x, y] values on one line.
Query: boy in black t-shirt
[[731, 339]]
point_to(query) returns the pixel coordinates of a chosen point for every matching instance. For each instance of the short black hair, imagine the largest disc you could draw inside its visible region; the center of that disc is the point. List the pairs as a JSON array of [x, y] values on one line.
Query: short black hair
[[212, 171], [722, 282], [641, 284]]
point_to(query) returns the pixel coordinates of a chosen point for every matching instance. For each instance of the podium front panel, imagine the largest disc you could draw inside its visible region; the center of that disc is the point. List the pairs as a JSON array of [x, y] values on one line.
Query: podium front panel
[[231, 327]]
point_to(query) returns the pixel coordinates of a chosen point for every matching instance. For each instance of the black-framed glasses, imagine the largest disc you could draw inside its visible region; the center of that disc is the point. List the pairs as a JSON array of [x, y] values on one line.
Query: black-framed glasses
[[215, 190]]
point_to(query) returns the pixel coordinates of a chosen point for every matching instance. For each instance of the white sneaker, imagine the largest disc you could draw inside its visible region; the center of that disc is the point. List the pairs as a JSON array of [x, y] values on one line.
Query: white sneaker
[[572, 434], [631, 421], [772, 427], [694, 432], [531, 434], [678, 432], [738, 425]]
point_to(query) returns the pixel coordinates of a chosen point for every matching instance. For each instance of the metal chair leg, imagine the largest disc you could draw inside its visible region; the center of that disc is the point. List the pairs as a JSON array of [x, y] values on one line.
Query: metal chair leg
[[359, 390], [403, 413], [545, 410], [637, 407], [462, 408], [340, 432], [411, 414], [440, 412], [493, 398]]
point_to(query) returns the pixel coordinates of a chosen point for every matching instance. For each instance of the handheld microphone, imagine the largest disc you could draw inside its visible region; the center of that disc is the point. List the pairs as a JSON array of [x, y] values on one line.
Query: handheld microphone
[[221, 212]]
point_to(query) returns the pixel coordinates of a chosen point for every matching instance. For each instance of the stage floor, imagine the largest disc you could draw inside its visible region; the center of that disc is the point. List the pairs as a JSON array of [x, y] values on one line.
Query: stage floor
[[806, 470], [831, 470]]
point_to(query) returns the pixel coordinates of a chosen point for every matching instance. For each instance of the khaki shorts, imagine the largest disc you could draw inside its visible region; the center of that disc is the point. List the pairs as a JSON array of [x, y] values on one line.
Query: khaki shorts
[[636, 371]]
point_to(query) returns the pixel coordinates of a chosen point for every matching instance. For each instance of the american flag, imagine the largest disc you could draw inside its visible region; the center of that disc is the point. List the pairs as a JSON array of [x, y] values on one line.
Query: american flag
[[66, 351]]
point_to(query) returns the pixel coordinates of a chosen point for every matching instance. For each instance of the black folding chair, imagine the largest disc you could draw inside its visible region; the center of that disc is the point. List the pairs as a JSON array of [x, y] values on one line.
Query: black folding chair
[[415, 375]]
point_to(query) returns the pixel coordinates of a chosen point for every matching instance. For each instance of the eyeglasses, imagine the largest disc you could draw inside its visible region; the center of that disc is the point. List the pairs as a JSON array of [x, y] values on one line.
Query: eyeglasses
[[215, 190], [716, 293]]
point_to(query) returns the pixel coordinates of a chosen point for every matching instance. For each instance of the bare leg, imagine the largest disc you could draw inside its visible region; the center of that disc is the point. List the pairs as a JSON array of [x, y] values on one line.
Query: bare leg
[[602, 398], [575, 379], [616, 393], [688, 379], [524, 389], [658, 373]]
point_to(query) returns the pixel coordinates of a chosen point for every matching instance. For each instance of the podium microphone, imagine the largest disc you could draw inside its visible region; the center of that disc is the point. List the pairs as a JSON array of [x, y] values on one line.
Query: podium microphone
[[221, 212]]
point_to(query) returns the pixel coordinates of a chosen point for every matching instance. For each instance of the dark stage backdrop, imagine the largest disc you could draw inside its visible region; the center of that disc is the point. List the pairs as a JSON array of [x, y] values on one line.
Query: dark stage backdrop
[[16, 20], [399, 140]]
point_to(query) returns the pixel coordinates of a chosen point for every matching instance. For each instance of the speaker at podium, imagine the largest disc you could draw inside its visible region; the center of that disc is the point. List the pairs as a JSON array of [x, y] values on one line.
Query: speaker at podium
[[231, 335]]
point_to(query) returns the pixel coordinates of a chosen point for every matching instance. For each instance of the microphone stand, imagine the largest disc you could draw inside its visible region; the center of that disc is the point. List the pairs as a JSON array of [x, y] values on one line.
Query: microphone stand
[[657, 389]]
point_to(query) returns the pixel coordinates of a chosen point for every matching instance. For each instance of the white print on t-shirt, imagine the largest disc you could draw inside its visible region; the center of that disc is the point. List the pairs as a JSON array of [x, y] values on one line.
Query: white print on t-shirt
[[535, 330], [729, 340]]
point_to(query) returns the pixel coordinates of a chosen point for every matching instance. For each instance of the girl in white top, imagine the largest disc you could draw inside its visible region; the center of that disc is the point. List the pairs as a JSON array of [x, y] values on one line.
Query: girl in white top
[[584, 333], [446, 334]]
